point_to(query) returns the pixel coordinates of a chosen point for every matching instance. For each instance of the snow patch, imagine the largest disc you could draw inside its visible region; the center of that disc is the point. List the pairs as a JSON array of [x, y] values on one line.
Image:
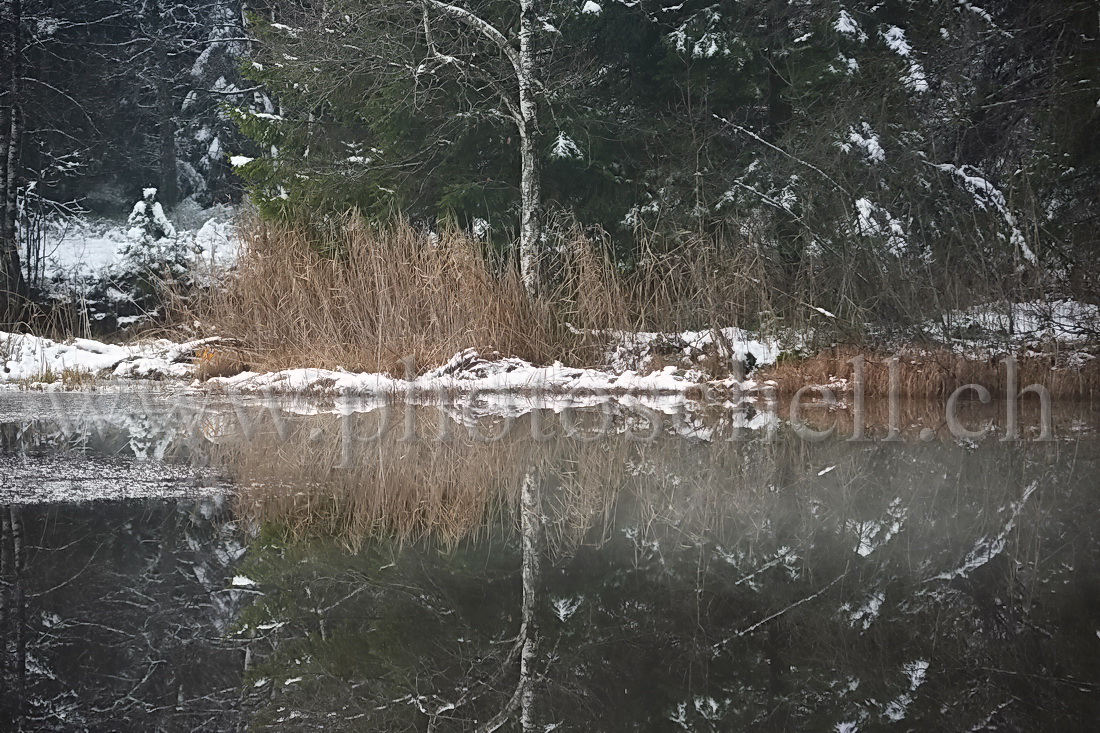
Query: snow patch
[[895, 40], [565, 148], [36, 359], [1063, 322], [914, 79], [867, 140], [987, 548], [846, 26], [915, 672], [468, 372], [865, 615], [566, 607], [874, 534], [986, 196], [875, 221]]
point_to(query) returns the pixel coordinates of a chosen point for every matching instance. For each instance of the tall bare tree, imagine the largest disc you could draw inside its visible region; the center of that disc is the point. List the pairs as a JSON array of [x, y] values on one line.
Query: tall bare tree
[[12, 285], [442, 63]]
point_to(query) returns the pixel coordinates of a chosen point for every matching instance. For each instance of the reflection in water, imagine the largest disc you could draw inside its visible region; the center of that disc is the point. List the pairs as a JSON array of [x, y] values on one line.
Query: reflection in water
[[707, 583], [114, 617], [592, 569]]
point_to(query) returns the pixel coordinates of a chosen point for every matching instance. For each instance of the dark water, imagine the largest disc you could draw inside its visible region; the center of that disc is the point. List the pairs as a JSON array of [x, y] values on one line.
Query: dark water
[[173, 563]]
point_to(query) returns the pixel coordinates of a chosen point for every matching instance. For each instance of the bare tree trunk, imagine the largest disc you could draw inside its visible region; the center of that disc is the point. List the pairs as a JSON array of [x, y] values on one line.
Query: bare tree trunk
[[532, 532], [532, 261], [12, 286], [168, 190]]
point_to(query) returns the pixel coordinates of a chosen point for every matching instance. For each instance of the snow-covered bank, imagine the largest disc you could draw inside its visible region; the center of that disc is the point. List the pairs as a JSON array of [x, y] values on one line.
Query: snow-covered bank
[[468, 373], [728, 348], [40, 362], [690, 364], [33, 359], [636, 364]]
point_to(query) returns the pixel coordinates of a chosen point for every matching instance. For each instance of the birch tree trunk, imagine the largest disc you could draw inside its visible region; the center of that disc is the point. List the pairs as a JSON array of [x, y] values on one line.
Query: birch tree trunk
[[532, 540], [531, 256]]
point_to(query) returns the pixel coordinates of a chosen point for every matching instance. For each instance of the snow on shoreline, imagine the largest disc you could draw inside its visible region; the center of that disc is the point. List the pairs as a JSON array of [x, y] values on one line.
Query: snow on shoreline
[[43, 363], [632, 369], [29, 359], [636, 363], [468, 373]]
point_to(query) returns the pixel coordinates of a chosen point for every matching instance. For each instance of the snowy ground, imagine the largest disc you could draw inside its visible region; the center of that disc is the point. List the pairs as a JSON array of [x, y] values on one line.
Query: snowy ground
[[36, 361], [81, 248], [101, 268], [636, 363], [1064, 323], [731, 349], [46, 364], [469, 373]]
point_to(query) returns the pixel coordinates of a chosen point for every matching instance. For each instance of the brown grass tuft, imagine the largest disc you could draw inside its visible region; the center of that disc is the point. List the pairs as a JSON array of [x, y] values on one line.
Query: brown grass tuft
[[213, 362]]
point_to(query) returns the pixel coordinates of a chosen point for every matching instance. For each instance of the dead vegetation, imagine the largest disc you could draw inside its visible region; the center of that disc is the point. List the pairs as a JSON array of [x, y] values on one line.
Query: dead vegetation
[[935, 372], [396, 299], [367, 299], [217, 361], [432, 473], [367, 476]]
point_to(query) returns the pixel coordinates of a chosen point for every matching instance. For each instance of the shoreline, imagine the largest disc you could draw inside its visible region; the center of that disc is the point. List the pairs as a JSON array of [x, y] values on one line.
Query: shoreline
[[1064, 372]]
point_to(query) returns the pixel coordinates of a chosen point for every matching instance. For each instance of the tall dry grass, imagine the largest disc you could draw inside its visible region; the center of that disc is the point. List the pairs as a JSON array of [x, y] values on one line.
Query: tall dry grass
[[318, 476], [400, 300], [429, 473], [371, 298]]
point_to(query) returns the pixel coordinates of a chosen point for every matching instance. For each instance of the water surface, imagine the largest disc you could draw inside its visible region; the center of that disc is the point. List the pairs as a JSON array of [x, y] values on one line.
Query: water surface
[[190, 563]]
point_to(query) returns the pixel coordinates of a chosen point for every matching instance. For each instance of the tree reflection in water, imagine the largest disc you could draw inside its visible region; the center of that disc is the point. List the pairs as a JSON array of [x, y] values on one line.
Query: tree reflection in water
[[709, 582]]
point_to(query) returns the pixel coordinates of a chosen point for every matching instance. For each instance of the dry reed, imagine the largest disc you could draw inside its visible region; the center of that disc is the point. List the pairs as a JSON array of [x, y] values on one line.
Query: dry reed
[[396, 299], [307, 479], [936, 372], [371, 299]]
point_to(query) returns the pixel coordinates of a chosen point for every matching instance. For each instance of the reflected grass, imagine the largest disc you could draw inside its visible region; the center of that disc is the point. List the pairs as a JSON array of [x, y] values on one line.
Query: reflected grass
[[438, 473]]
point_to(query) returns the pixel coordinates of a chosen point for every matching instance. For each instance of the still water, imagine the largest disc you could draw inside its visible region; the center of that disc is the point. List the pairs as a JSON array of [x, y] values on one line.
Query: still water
[[179, 563]]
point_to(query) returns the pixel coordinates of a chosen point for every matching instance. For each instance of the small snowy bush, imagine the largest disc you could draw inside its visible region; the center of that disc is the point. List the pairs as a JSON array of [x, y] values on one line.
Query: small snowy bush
[[116, 274]]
